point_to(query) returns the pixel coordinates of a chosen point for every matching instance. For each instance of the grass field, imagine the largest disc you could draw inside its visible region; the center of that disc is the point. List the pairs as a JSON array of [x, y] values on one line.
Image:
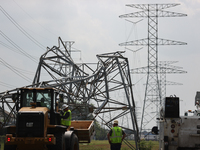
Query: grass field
[[104, 145]]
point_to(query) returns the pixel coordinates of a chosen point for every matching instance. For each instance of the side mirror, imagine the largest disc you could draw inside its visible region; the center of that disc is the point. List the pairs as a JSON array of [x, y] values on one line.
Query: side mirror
[[155, 130], [14, 97]]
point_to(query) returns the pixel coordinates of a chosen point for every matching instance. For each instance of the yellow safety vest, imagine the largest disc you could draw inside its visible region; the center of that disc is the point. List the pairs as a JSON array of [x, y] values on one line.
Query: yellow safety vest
[[66, 122], [43, 104], [116, 136]]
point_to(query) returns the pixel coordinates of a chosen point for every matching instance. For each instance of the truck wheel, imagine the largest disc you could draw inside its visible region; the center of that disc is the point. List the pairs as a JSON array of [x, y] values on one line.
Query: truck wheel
[[74, 143]]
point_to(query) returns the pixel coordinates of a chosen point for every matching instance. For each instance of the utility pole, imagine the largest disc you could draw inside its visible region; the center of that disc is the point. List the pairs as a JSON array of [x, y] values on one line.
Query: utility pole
[[152, 99]]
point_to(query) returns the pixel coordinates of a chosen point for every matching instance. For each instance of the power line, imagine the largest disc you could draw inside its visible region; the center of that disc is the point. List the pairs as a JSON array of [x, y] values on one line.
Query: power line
[[22, 70], [15, 70], [33, 18], [17, 47], [21, 29], [134, 24], [9, 47], [17, 51], [6, 84]]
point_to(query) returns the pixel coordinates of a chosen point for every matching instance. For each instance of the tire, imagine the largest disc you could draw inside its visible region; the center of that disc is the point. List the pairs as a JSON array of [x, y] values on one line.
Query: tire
[[74, 143], [59, 142]]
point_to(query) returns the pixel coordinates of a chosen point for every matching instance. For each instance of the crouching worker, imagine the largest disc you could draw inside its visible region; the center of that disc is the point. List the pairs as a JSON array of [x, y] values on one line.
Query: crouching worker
[[65, 116], [116, 136]]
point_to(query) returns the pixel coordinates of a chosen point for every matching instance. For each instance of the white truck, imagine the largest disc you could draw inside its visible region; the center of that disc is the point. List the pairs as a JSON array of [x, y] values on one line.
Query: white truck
[[178, 132]]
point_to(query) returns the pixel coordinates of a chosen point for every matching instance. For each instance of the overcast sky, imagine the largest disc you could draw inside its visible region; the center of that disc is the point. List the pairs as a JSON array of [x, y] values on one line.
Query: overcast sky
[[96, 28]]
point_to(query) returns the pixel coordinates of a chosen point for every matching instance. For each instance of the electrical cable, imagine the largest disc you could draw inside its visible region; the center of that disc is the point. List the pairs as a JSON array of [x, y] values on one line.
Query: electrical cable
[[135, 61], [14, 50], [17, 47], [6, 84], [33, 18], [22, 70], [21, 29], [15, 70]]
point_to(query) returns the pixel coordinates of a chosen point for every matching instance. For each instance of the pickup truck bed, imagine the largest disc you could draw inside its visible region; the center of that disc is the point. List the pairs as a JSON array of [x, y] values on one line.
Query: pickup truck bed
[[84, 130]]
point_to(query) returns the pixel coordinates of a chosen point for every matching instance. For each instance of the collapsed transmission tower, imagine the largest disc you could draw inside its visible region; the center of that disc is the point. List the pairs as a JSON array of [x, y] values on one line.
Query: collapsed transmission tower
[[95, 94], [152, 100]]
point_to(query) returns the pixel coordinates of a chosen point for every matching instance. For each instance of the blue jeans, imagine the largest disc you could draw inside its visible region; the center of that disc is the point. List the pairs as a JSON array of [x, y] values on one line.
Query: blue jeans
[[115, 146]]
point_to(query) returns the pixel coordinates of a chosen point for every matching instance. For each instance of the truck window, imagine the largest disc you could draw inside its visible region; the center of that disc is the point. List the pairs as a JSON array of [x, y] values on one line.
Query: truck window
[[43, 99], [27, 99]]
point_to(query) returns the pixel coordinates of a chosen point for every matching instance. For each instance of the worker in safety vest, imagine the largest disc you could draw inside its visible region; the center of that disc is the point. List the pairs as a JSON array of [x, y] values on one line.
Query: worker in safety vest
[[65, 116], [116, 136]]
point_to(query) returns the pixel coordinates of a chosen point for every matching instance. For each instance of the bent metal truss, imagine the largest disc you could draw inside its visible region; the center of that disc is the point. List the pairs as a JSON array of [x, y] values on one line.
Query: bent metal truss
[[107, 89]]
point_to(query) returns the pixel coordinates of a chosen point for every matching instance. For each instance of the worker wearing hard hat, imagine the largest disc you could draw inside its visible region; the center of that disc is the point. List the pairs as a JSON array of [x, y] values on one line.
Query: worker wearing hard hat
[[65, 116], [116, 136]]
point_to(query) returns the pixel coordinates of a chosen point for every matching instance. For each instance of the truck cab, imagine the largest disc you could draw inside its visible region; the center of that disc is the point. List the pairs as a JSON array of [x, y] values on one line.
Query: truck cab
[[178, 132]]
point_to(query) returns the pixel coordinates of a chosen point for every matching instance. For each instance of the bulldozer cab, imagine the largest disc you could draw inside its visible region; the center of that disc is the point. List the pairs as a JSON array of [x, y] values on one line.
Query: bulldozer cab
[[39, 97]]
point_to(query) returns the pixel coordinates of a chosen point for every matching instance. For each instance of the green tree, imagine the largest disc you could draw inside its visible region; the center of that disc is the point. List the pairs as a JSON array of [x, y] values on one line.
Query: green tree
[[100, 133]]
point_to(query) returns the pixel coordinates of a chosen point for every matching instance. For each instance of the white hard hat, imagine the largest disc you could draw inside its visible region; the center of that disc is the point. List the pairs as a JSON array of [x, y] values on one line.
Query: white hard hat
[[64, 106], [115, 121]]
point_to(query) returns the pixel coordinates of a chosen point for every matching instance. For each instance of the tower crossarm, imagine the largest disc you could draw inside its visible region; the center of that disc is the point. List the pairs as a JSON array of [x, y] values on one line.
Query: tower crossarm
[[176, 67], [162, 13], [169, 70], [165, 67], [152, 13], [142, 70], [173, 83], [151, 6], [166, 70], [146, 42], [164, 63]]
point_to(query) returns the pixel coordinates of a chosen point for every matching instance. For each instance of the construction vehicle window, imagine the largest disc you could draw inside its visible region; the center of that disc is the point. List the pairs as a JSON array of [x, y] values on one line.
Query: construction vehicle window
[[27, 99], [43, 99]]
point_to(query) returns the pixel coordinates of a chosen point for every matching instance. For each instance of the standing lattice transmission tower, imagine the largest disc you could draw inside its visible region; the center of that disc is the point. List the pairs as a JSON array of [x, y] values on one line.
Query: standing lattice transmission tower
[[166, 67], [152, 100]]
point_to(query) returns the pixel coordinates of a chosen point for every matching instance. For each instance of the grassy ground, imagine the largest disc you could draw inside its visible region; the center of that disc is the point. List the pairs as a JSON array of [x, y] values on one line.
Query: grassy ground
[[2, 142], [104, 145]]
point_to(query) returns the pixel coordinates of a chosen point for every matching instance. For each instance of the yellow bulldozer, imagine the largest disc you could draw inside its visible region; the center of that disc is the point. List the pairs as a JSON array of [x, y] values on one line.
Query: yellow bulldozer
[[38, 123]]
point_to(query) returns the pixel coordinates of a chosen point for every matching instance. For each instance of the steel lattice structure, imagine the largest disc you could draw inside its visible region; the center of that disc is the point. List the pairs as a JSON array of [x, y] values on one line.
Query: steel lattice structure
[[84, 91], [165, 68], [152, 100]]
